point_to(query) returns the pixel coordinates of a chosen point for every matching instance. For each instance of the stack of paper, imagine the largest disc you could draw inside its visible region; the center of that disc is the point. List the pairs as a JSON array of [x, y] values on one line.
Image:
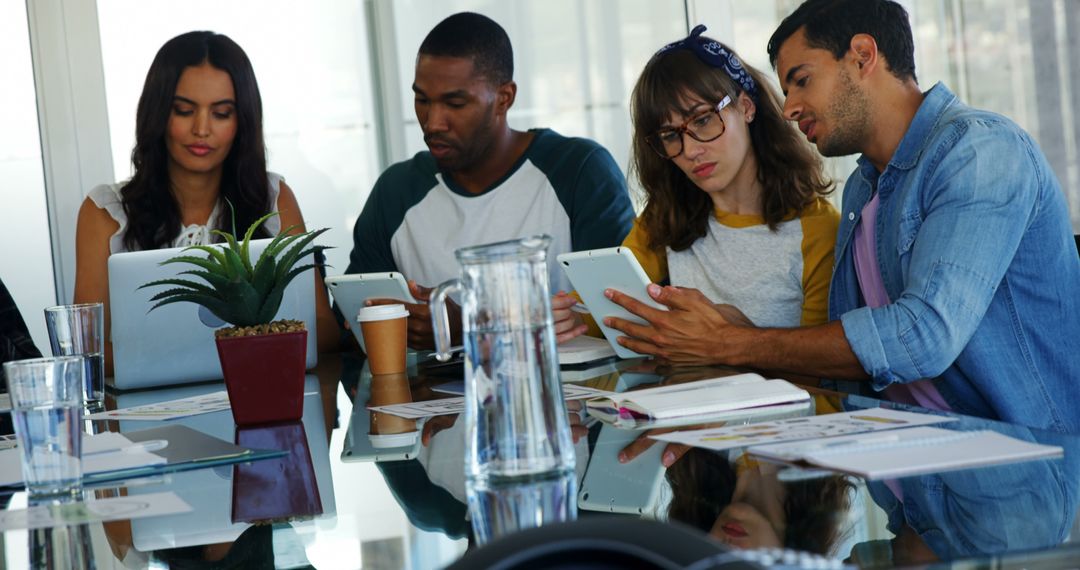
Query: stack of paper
[[449, 406], [906, 452], [715, 399], [802, 428]]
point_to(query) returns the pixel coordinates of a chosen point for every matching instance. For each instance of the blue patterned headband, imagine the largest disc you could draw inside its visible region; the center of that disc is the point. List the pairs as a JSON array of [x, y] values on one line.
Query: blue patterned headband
[[713, 54]]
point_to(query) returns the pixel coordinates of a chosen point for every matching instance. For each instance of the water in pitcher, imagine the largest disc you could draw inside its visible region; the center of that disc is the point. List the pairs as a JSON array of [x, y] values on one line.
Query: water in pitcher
[[519, 474]]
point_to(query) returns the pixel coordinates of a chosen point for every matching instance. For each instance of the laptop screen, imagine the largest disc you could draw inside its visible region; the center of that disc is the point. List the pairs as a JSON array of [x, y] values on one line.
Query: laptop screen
[[174, 344]]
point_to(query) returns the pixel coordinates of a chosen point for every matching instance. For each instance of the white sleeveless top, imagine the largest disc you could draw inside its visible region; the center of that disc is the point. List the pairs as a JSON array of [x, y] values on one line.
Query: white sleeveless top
[[107, 197]]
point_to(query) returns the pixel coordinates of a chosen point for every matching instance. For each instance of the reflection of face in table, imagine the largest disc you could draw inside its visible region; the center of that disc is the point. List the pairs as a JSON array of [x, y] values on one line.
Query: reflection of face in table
[[746, 506]]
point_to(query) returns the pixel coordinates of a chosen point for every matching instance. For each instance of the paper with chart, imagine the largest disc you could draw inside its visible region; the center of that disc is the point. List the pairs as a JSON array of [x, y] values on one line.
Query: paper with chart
[[100, 510], [447, 406], [906, 452], [182, 408], [793, 429]]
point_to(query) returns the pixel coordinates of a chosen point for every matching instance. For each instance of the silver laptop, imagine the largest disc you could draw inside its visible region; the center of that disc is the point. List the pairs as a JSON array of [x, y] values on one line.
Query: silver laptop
[[174, 344]]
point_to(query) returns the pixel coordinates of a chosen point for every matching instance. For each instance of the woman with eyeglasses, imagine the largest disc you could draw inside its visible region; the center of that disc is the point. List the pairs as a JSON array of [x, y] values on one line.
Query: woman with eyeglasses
[[734, 197]]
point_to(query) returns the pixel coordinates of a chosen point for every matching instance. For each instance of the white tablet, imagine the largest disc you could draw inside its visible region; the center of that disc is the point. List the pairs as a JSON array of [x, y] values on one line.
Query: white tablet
[[351, 291], [591, 272], [613, 487]]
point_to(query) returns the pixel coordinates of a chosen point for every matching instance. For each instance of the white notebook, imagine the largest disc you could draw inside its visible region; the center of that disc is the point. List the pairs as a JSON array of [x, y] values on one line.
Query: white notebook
[[906, 452], [712, 399]]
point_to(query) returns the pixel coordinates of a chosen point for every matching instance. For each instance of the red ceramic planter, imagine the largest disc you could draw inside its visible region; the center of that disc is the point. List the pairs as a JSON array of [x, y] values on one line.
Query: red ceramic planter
[[264, 376]]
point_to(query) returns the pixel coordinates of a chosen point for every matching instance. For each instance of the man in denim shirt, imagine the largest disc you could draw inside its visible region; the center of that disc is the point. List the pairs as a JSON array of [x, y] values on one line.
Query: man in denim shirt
[[957, 281]]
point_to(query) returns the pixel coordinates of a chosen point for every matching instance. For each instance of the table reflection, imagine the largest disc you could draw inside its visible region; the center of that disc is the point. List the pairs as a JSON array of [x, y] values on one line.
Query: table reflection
[[1022, 511], [745, 503], [62, 547], [280, 489]]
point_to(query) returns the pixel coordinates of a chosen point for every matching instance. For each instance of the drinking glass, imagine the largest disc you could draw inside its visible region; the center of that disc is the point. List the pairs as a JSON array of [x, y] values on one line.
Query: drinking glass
[[46, 408], [79, 330]]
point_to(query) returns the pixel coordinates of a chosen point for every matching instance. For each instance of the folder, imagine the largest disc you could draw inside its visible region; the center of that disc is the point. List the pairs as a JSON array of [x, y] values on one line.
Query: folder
[[180, 449]]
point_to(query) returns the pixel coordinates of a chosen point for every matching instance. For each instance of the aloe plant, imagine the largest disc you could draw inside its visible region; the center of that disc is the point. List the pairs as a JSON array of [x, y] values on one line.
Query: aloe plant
[[236, 291]]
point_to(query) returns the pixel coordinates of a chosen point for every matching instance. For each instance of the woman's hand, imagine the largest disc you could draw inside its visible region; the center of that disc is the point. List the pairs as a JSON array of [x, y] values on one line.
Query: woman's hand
[[568, 324], [671, 454]]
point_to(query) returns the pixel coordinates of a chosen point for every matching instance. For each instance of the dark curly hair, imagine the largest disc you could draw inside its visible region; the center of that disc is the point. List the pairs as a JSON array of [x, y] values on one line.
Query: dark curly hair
[[476, 37], [152, 211], [830, 25]]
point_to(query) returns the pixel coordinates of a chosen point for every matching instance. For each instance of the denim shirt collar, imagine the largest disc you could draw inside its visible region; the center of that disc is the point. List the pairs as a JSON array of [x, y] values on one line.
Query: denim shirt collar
[[935, 102]]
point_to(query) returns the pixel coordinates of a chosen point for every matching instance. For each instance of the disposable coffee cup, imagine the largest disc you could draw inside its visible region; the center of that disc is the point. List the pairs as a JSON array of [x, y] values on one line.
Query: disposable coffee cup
[[387, 389], [384, 441], [385, 337]]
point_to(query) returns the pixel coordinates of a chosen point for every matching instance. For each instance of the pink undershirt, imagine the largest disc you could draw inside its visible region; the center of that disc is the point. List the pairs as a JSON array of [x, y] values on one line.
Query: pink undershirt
[[920, 392]]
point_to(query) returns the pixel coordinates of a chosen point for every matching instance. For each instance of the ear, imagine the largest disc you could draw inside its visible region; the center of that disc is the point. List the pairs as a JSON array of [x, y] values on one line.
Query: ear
[[863, 53], [747, 107], [504, 97]]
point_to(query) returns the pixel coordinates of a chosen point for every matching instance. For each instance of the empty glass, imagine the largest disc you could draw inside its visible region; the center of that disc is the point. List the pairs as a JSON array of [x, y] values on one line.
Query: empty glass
[[79, 330], [46, 408], [519, 458]]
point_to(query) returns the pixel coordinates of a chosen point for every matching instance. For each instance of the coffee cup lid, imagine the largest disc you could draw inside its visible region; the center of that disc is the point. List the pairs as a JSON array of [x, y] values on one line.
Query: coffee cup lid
[[383, 441], [381, 313]]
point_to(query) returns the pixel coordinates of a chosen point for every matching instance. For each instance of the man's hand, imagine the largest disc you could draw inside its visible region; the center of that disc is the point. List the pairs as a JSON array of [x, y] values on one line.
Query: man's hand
[[421, 334], [691, 331], [568, 324]]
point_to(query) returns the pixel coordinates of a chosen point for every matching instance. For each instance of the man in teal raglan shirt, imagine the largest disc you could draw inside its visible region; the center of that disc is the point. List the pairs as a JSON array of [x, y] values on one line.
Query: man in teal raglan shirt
[[481, 181]]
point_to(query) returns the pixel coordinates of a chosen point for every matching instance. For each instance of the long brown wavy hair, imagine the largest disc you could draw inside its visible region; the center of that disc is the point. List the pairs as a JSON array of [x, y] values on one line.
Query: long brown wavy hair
[[152, 211], [676, 211]]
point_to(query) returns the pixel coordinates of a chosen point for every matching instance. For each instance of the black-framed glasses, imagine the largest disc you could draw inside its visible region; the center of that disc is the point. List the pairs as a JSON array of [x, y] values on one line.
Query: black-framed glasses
[[703, 127]]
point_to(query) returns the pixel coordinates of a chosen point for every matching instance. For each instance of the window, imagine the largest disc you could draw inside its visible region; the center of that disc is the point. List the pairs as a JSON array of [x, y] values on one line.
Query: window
[[311, 61], [24, 221]]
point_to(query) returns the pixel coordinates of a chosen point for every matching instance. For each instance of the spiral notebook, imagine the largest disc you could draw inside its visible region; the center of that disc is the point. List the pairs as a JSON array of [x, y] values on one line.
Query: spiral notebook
[[906, 452]]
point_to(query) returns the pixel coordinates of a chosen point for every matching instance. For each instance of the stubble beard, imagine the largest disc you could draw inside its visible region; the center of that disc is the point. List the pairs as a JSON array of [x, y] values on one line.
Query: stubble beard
[[849, 114], [477, 148]]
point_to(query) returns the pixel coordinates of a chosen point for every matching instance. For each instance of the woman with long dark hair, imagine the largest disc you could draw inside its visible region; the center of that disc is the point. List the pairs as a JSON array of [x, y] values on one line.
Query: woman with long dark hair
[[734, 197], [198, 149]]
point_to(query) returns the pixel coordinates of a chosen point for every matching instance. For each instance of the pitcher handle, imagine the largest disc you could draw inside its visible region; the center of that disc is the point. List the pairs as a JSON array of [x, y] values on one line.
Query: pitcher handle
[[440, 322]]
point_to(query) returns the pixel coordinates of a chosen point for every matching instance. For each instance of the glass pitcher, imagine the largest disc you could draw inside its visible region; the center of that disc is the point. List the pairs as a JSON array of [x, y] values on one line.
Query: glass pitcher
[[519, 458]]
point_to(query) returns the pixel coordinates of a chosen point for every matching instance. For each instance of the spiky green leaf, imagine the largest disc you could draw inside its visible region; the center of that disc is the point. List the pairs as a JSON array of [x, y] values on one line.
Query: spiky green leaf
[[215, 280], [219, 308], [235, 266], [211, 251], [244, 302], [297, 251], [205, 263], [263, 279], [244, 249], [276, 248], [236, 290], [190, 285]]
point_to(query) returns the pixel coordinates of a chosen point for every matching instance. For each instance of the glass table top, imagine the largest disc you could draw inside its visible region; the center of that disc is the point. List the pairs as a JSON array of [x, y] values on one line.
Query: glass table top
[[346, 500]]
